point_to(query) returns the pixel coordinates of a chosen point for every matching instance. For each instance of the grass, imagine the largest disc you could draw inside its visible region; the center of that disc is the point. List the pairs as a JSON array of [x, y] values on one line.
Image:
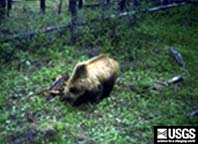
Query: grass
[[129, 114]]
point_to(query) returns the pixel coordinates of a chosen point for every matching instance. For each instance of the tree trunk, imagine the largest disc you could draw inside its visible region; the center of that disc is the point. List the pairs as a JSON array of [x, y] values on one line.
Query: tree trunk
[[72, 7], [9, 4], [108, 1], [42, 6], [2, 9], [60, 7], [80, 4], [122, 5]]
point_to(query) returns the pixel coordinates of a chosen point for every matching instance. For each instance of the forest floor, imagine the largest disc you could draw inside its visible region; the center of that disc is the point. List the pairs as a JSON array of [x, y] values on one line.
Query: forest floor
[[137, 103]]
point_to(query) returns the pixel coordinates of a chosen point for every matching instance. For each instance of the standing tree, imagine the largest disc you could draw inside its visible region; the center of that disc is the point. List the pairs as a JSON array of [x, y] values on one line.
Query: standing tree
[[42, 6], [60, 7], [80, 4], [72, 7], [73, 11], [122, 5], [108, 1], [9, 6], [2, 9]]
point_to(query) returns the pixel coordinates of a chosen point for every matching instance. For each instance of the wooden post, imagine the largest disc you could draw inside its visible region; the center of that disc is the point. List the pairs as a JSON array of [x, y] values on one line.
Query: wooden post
[[42, 6]]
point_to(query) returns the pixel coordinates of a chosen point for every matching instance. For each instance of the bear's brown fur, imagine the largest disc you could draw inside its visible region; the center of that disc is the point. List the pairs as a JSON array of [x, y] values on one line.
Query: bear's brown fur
[[91, 80]]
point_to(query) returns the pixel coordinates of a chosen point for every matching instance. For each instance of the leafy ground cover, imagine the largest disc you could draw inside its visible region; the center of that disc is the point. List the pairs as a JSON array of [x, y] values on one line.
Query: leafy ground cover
[[129, 114]]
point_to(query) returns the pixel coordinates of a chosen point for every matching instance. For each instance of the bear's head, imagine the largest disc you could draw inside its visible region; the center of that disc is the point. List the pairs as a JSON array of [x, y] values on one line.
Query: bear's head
[[75, 86]]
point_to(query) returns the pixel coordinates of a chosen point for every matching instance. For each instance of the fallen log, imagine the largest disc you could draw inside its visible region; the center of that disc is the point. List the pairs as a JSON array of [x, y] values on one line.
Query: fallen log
[[153, 9], [163, 7], [157, 85], [193, 113], [178, 57]]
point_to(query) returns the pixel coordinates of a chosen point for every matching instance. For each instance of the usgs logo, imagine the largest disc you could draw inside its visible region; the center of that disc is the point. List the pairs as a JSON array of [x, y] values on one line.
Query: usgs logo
[[175, 134]]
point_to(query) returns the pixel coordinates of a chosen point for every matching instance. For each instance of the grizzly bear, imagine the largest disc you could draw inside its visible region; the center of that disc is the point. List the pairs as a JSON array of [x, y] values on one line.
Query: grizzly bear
[[91, 80]]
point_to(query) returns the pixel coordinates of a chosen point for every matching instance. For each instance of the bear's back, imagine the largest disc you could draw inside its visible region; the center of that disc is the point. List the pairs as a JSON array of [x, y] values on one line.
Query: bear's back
[[102, 67]]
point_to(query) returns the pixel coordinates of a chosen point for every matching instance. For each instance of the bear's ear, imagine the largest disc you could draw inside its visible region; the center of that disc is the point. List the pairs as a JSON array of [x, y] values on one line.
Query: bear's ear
[[80, 71]]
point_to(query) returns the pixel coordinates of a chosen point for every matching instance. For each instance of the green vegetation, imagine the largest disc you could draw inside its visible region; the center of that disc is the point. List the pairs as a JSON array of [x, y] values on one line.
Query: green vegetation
[[129, 114]]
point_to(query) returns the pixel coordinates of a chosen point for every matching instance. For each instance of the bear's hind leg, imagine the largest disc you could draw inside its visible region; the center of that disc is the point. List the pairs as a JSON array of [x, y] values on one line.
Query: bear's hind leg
[[107, 87]]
